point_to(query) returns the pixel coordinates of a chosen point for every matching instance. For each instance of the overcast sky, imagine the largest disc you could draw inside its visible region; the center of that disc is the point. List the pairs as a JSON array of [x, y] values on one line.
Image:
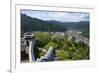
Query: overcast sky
[[58, 16]]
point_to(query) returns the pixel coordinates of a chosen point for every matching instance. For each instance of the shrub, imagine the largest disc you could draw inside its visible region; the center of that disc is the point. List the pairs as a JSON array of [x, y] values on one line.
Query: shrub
[[54, 45], [42, 38], [61, 54]]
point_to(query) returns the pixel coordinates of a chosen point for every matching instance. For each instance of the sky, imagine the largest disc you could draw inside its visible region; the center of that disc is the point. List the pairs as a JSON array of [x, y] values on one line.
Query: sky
[[58, 16]]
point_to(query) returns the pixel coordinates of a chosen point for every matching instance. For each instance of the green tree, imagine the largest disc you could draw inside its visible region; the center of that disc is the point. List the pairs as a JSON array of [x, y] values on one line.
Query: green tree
[[42, 38]]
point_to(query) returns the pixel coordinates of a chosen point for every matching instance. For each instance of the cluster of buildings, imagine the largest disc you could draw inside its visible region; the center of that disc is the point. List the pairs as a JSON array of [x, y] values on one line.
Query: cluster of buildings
[[77, 36]]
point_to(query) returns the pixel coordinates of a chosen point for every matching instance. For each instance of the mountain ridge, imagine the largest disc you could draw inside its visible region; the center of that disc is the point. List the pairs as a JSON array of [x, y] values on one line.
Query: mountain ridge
[[29, 24]]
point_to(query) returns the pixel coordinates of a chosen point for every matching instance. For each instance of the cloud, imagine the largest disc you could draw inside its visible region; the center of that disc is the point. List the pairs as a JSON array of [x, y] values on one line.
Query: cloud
[[57, 14], [76, 17]]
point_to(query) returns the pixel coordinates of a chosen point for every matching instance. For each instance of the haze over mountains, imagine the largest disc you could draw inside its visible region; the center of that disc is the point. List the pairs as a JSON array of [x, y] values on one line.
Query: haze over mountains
[[29, 24]]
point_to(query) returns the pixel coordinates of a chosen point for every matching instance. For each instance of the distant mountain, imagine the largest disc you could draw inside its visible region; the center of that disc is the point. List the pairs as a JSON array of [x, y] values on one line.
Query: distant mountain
[[33, 24], [29, 24], [81, 26]]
